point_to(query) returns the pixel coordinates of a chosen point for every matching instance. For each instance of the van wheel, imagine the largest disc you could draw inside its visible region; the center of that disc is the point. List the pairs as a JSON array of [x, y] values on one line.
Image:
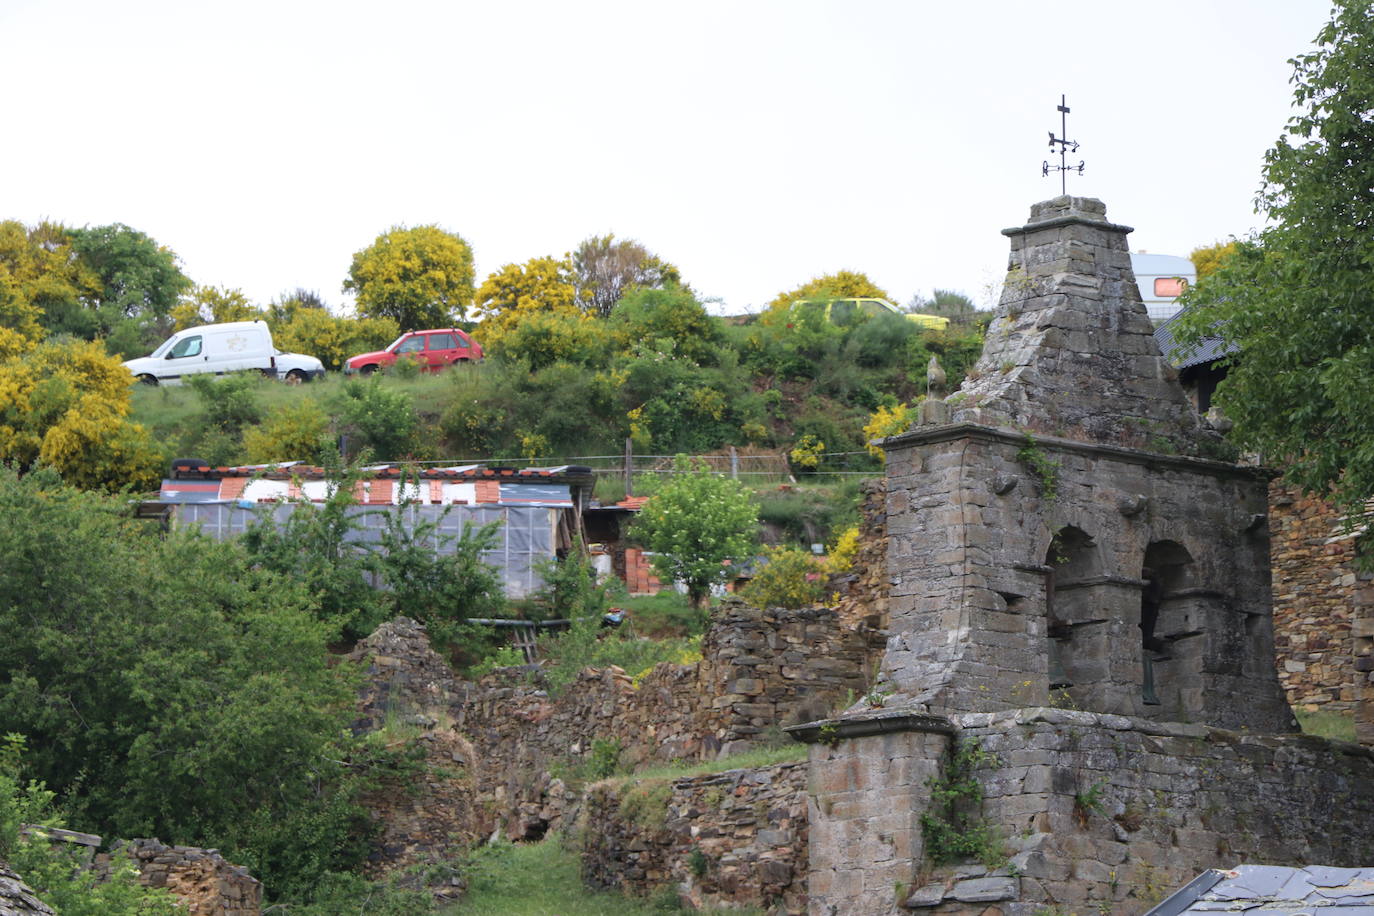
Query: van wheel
[[295, 377], [148, 379]]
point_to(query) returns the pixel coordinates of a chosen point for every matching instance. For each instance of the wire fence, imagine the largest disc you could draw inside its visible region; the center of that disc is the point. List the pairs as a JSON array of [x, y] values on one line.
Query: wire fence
[[754, 465]]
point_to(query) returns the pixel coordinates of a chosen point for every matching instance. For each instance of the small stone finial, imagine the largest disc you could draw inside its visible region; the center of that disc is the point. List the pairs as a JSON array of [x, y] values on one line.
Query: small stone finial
[[935, 378]]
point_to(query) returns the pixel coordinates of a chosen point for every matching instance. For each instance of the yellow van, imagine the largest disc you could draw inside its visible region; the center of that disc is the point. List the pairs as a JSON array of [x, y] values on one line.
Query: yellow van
[[844, 312]]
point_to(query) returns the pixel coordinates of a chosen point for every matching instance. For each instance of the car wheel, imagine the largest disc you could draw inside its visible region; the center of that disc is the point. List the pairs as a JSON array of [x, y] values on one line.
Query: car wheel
[[367, 370], [148, 379], [296, 377]]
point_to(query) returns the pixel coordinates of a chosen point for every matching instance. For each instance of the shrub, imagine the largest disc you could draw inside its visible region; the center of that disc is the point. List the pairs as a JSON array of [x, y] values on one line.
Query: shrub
[[383, 418], [291, 432], [790, 579]]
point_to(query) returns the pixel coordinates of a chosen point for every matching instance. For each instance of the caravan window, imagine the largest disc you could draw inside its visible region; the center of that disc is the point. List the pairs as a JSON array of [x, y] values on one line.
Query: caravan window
[[1170, 286]]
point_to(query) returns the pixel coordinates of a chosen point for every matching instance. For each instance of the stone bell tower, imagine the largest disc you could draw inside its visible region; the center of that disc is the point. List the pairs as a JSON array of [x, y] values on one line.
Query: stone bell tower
[[1059, 535]]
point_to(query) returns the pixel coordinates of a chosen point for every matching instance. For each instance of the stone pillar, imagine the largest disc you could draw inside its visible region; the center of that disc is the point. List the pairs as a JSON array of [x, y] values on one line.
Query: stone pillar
[[1362, 633], [867, 792]]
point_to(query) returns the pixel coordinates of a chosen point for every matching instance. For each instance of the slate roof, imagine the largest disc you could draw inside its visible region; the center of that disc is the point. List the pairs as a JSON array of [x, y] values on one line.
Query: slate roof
[[1274, 890], [1208, 350]]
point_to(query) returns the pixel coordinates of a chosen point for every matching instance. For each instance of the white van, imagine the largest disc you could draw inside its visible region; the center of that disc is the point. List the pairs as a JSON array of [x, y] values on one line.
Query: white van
[[1162, 278], [237, 346]]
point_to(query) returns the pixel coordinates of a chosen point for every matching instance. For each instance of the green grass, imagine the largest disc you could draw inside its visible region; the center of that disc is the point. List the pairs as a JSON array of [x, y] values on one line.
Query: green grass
[[665, 614], [1326, 723], [791, 752], [543, 879]]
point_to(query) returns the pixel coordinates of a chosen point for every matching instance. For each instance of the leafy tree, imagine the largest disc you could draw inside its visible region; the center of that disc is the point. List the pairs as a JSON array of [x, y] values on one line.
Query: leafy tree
[[43, 281], [529, 312], [695, 523], [138, 277], [213, 305], [844, 284], [420, 277], [171, 686], [314, 546], [672, 314], [1208, 258], [1298, 299], [65, 404], [606, 269], [330, 338], [49, 867], [946, 302], [439, 579]]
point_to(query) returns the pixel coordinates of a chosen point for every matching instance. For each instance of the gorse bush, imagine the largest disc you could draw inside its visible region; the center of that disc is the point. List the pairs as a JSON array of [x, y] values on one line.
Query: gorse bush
[[789, 578]]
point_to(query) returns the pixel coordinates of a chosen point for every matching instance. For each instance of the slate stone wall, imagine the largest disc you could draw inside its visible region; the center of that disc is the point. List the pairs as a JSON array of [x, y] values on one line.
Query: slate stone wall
[[202, 881], [17, 898], [1003, 572], [411, 693], [760, 670], [1323, 607], [732, 839], [1112, 813]]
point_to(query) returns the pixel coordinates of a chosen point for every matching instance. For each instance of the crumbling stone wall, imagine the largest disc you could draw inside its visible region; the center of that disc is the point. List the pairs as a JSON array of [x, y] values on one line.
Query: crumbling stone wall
[[1323, 605], [203, 882], [412, 697], [761, 669], [864, 589], [1110, 813], [17, 898], [737, 838]]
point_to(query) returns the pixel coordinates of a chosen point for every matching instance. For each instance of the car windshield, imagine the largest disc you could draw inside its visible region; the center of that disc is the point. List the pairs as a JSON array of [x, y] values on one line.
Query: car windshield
[[397, 341]]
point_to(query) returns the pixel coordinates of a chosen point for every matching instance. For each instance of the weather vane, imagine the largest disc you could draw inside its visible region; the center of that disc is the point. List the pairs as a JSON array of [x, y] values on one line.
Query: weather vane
[[1065, 146]]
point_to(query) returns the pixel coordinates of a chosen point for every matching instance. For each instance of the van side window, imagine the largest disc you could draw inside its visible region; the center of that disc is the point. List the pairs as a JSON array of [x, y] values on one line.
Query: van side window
[[188, 346]]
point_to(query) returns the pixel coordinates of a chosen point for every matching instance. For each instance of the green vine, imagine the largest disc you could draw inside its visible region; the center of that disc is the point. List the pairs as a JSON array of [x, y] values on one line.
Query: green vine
[[1042, 465], [953, 828]]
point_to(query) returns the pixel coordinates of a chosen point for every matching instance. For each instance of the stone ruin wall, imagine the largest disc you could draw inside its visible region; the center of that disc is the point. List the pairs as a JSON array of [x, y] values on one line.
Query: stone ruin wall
[[1323, 608], [1116, 813], [863, 590], [760, 670], [201, 880], [17, 898], [410, 695], [732, 839]]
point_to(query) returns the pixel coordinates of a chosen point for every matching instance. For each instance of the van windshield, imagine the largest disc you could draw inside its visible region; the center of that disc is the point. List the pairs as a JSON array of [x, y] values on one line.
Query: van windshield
[[165, 345]]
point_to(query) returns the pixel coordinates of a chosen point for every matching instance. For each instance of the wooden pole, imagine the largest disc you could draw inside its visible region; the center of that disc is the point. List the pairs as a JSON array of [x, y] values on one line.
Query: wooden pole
[[629, 467]]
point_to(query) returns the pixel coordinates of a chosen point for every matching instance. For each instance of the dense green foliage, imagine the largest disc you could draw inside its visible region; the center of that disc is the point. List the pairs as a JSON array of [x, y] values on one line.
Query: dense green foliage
[[790, 578], [1298, 299], [694, 524], [355, 585], [50, 867], [170, 686]]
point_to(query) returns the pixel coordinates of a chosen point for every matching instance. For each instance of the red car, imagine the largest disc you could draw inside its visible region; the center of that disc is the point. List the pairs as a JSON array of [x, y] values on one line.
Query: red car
[[433, 350]]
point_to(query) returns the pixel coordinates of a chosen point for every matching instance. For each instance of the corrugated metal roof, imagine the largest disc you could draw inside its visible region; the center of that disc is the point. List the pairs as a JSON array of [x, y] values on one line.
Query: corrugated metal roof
[[1275, 890], [1208, 350]]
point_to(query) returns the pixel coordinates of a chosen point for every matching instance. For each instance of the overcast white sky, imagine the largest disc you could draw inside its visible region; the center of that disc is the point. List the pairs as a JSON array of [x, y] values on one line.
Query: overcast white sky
[[754, 144]]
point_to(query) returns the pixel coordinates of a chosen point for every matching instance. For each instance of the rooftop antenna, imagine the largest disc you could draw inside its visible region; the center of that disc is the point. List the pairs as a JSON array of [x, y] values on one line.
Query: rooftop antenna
[[1065, 146]]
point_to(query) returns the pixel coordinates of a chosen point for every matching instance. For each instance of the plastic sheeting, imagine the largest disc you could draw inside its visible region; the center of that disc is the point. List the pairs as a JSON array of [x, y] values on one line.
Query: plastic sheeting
[[525, 535]]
